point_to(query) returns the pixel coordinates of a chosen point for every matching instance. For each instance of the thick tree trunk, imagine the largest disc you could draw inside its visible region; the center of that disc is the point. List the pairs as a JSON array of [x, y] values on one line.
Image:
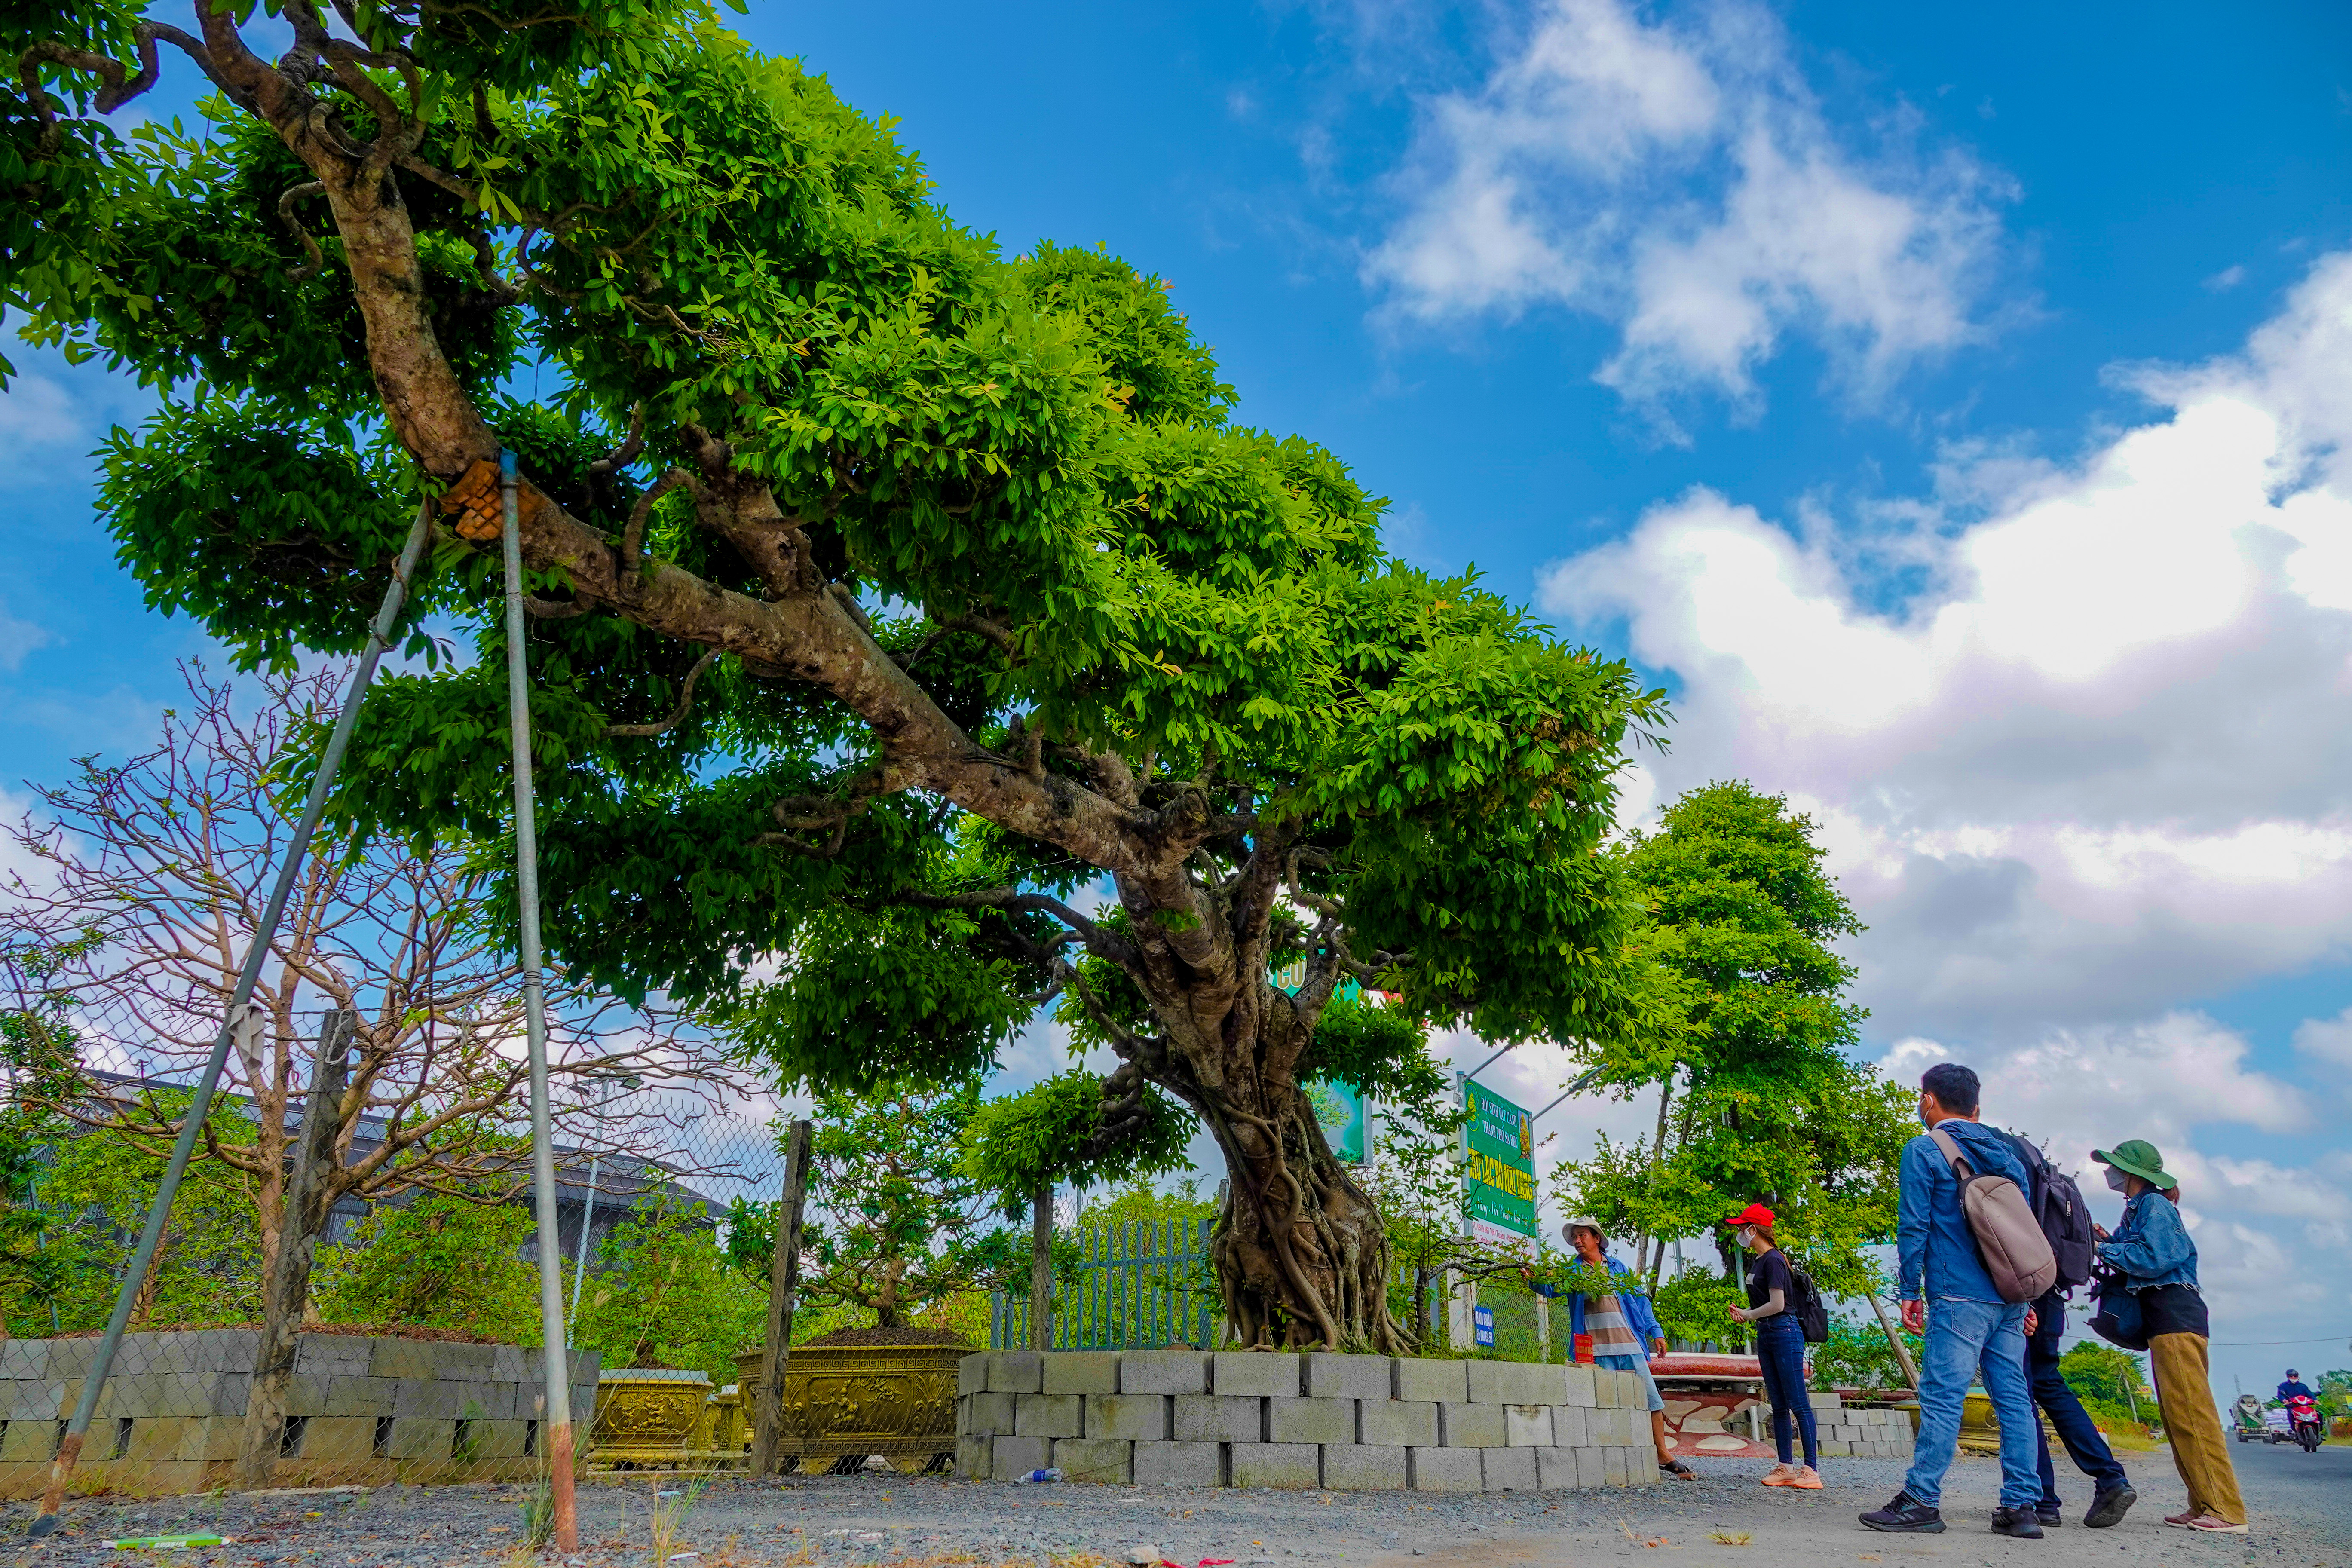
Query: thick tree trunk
[[1041, 1269], [287, 1287], [1299, 1248]]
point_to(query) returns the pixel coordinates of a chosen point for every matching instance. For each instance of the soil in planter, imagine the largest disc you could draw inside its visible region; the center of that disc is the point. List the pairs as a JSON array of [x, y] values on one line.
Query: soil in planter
[[888, 1337]]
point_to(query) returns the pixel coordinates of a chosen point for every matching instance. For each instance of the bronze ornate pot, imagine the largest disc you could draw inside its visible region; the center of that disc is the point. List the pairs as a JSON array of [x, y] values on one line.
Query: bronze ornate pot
[[847, 1402], [647, 1417]]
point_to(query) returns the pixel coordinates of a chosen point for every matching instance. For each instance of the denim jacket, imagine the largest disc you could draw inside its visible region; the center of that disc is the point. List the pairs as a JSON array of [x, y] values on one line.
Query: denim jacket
[[1935, 1250], [1635, 1305], [2151, 1245]]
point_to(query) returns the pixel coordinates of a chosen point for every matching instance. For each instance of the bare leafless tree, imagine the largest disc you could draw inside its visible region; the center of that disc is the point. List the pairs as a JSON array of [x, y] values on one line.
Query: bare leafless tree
[[386, 984]]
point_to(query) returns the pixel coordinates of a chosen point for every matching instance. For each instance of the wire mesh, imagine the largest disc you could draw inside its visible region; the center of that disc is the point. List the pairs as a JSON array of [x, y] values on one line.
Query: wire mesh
[[418, 1355]]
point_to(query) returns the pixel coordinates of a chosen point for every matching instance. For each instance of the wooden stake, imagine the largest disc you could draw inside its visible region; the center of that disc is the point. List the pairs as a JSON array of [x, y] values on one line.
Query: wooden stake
[[783, 1279]]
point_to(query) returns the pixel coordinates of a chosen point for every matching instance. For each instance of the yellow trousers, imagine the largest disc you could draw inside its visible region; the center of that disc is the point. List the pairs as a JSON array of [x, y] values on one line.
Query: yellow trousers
[[2193, 1426]]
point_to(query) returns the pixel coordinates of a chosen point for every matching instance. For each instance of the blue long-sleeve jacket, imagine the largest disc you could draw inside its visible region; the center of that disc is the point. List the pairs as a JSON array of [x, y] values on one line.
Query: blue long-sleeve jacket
[[1639, 1317], [2151, 1245], [1934, 1252]]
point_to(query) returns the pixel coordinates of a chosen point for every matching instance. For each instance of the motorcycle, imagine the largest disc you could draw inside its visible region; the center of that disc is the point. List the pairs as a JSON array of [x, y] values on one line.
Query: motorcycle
[[2303, 1420]]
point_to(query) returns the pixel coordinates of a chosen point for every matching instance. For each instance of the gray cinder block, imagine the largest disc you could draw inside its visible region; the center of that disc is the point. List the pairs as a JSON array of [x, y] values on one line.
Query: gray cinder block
[[1443, 1381], [1470, 1425], [1175, 1464], [1218, 1418], [1016, 1371], [1445, 1469], [1163, 1372], [1134, 1417], [1259, 1373], [971, 1373], [1102, 1459], [1049, 1415], [1330, 1376], [1528, 1425], [1294, 1466], [1364, 1468], [1081, 1372], [1310, 1420], [1398, 1422], [1509, 1469], [1019, 1455], [986, 1415]]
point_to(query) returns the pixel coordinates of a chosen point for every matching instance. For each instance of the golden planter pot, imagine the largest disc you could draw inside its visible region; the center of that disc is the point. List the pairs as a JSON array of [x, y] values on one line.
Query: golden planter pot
[[847, 1402], [646, 1417]]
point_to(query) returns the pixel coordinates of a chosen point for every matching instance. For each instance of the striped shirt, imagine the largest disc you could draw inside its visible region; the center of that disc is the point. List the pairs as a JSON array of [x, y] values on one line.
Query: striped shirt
[[1604, 1320]]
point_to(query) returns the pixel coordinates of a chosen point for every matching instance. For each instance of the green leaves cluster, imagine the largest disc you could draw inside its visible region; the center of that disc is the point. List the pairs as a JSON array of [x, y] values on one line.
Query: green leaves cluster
[[443, 1261], [668, 1293], [1024, 1144], [1765, 1098]]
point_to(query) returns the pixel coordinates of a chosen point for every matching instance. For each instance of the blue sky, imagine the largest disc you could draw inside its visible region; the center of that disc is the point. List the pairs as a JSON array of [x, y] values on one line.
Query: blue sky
[[1948, 405]]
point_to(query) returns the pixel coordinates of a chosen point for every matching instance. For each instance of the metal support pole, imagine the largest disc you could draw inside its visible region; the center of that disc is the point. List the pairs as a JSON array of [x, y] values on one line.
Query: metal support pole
[[1895, 1343], [1579, 1087], [298, 846], [558, 1428], [767, 1401]]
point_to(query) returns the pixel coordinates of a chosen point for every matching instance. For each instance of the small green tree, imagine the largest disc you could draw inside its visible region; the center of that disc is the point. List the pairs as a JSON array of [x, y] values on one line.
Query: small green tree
[[97, 1193], [2111, 1383], [1073, 1130], [445, 1260], [669, 1294], [1857, 1354], [1760, 1095], [41, 1074]]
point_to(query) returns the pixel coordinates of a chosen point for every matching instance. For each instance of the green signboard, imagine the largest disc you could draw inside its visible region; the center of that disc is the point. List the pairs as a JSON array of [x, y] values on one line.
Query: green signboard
[[1498, 1177]]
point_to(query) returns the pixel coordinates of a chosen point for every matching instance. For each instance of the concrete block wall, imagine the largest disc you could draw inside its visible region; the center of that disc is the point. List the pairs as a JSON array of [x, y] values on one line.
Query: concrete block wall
[[171, 1416], [1337, 1423], [1861, 1432]]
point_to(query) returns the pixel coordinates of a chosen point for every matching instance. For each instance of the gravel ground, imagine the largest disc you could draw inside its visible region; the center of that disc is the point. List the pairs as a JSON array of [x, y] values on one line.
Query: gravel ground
[[844, 1522]]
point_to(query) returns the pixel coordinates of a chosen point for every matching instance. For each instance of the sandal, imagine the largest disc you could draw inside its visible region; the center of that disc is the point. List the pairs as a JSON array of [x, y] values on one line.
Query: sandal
[[1807, 1479], [1677, 1469], [2214, 1524]]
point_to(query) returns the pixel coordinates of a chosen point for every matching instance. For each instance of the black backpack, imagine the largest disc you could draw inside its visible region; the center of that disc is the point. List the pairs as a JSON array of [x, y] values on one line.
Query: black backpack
[[2057, 1204], [1806, 1306]]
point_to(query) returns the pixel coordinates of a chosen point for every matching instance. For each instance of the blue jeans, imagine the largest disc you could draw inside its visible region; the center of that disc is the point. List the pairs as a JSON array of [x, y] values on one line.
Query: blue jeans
[[2085, 1445], [1964, 1338], [1780, 1347]]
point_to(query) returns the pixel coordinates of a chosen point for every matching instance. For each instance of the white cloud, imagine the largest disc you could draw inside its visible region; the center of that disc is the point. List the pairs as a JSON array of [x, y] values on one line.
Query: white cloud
[[2329, 1039], [36, 413], [2083, 774], [18, 638], [1679, 179], [2229, 277]]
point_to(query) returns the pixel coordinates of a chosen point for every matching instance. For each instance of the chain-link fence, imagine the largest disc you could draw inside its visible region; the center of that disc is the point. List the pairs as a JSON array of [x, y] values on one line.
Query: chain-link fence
[[418, 1332]]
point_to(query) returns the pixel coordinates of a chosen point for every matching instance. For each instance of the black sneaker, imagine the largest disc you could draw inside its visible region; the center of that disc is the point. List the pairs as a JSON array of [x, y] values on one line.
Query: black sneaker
[[1906, 1516], [2048, 1516], [2017, 1521], [2110, 1506]]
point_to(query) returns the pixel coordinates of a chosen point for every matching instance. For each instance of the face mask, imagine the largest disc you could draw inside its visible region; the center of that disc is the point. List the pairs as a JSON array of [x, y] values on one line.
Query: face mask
[[1746, 1237], [1923, 1119], [2118, 1180]]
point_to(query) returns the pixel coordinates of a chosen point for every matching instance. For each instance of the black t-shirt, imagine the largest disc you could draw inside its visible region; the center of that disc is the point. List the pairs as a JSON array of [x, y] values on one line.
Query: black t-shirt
[[1766, 1273]]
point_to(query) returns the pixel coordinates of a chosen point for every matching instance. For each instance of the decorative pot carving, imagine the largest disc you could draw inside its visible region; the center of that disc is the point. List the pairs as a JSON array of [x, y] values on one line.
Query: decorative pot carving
[[647, 1417], [847, 1401]]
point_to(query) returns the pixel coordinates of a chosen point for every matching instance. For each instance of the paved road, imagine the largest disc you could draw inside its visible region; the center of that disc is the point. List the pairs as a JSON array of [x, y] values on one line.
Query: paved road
[[2283, 1482]]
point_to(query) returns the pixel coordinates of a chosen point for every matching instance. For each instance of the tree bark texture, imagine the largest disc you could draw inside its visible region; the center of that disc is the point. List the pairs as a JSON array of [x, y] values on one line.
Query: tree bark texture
[[783, 1280], [309, 1199]]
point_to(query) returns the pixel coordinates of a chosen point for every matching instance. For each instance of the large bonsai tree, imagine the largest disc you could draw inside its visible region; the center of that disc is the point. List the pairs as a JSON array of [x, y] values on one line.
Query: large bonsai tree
[[895, 595]]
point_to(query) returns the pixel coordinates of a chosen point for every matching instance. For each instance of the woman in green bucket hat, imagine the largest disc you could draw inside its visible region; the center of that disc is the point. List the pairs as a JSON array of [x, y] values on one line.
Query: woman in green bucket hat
[[2152, 1251]]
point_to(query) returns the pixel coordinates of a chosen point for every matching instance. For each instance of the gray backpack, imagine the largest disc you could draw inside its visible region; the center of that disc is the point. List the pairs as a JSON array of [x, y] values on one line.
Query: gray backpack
[[2008, 1235]]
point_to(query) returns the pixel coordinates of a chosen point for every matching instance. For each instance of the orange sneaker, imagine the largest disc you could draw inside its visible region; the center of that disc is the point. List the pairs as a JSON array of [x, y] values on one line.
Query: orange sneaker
[[1780, 1476], [1807, 1479]]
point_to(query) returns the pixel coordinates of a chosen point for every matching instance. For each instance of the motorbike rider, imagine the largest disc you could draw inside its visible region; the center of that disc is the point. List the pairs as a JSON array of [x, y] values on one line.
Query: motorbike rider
[[2292, 1388]]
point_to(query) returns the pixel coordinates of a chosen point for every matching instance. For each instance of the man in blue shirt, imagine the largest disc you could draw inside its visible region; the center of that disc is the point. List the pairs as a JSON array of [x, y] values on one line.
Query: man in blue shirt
[[2293, 1385], [1948, 1297]]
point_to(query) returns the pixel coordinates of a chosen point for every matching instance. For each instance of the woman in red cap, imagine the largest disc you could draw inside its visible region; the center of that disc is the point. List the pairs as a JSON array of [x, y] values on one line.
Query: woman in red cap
[[1780, 1346]]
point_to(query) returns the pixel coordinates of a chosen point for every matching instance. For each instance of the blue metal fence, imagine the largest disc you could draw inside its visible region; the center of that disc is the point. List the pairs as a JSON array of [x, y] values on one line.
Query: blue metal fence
[[1139, 1285]]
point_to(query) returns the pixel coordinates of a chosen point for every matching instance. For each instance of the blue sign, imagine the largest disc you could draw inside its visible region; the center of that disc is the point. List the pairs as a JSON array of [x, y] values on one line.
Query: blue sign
[[1482, 1326]]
